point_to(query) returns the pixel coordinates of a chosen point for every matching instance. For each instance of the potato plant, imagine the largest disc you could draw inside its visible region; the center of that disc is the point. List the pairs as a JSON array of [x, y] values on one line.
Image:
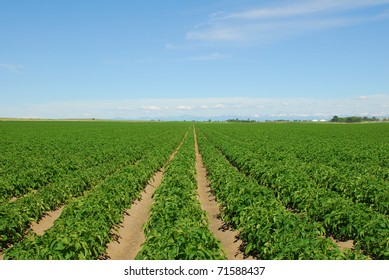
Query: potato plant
[[178, 227]]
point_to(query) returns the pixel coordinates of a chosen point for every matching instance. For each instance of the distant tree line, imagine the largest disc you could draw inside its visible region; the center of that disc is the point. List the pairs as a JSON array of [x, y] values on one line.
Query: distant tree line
[[354, 119], [238, 120]]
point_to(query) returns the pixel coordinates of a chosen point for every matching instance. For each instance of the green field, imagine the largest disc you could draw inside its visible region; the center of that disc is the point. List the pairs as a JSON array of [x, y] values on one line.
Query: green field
[[290, 189]]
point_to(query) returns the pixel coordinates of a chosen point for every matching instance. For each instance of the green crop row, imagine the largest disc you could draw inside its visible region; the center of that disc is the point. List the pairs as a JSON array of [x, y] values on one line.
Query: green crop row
[[178, 228], [357, 173], [361, 188], [17, 216], [340, 216], [35, 154], [267, 228], [83, 229]]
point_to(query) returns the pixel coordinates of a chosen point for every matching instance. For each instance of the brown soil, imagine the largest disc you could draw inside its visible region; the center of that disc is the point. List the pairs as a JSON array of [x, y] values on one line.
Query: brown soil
[[46, 222], [228, 237], [43, 224], [130, 235], [349, 244]]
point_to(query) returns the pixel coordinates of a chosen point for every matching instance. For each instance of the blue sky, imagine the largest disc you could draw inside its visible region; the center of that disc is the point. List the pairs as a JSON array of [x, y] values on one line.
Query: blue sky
[[194, 59]]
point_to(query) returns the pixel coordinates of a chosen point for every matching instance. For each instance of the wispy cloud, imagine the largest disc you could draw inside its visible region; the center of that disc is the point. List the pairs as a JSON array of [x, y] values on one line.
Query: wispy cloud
[[184, 108], [150, 108], [204, 108], [303, 8], [293, 17], [11, 67]]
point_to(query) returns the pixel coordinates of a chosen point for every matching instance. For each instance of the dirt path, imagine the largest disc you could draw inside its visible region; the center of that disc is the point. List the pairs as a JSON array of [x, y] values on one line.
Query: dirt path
[[349, 244], [227, 237], [130, 233], [46, 222]]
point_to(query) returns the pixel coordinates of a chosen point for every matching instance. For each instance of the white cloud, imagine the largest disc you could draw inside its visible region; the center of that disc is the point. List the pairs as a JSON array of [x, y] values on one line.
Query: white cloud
[[304, 8], [274, 23], [151, 108], [263, 108], [184, 108]]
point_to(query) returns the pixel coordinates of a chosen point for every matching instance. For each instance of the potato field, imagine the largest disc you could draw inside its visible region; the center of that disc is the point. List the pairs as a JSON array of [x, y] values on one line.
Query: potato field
[[288, 191]]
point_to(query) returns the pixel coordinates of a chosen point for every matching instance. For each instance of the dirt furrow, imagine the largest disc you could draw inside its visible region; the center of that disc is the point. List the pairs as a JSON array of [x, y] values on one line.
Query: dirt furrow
[[228, 237], [130, 235], [44, 224], [47, 221], [349, 244]]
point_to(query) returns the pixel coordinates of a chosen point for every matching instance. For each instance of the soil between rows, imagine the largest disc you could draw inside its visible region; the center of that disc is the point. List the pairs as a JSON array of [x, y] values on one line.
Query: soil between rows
[[47, 221], [228, 237], [130, 235], [349, 244]]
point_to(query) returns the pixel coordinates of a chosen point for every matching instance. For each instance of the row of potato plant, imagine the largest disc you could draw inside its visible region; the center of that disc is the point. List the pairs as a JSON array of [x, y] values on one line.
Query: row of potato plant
[[321, 157], [178, 228], [83, 229], [361, 188], [16, 216], [340, 217], [35, 154], [38, 153], [268, 229]]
